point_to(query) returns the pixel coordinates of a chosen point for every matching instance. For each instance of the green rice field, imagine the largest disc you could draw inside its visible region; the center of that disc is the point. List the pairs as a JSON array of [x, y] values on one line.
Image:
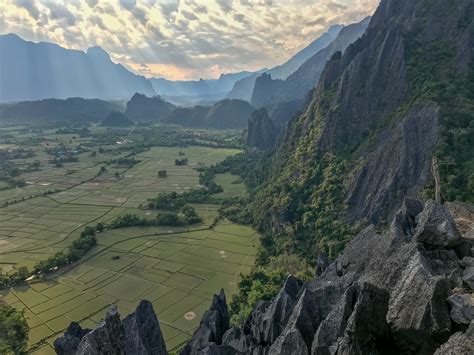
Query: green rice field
[[177, 268]]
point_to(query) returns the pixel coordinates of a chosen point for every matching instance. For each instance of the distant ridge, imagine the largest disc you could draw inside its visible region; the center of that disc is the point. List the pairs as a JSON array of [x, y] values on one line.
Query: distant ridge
[[243, 88], [34, 71]]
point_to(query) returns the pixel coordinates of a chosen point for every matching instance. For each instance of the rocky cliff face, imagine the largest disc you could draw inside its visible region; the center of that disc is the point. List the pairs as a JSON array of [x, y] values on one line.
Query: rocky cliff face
[[261, 132], [407, 290], [243, 88], [404, 291], [268, 92], [379, 112]]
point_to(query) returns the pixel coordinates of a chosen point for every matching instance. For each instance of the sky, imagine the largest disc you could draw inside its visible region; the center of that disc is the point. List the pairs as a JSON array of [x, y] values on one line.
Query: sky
[[182, 40]]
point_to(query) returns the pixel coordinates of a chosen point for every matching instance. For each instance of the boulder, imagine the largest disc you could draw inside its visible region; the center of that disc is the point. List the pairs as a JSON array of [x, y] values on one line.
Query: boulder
[[468, 273], [462, 308], [436, 227], [142, 332], [405, 219], [459, 343]]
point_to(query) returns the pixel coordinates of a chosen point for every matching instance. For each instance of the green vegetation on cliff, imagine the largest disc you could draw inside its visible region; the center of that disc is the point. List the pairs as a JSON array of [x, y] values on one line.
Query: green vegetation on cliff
[[435, 75]]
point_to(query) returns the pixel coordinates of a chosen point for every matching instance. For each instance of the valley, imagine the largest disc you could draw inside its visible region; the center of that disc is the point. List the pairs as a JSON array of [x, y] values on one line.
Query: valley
[[234, 177], [178, 268]]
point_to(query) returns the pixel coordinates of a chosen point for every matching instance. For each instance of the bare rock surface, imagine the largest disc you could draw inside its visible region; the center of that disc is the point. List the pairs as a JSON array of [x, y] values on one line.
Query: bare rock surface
[[392, 292], [138, 334]]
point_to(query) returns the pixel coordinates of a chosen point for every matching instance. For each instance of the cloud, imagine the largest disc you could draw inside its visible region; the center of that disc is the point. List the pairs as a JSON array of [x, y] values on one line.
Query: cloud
[[30, 6], [58, 11], [189, 15], [225, 5], [92, 3], [128, 4], [183, 38]]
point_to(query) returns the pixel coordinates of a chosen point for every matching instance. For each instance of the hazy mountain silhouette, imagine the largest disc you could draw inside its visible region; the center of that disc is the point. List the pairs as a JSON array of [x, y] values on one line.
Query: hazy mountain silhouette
[[32, 71]]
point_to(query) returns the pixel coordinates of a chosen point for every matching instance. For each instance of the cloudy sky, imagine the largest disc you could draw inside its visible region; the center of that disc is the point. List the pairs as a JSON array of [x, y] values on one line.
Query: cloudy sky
[[182, 39]]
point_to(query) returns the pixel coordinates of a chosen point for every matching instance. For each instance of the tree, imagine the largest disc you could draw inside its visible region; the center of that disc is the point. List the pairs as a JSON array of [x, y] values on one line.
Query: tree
[[117, 175], [162, 173], [180, 162], [13, 331], [102, 170]]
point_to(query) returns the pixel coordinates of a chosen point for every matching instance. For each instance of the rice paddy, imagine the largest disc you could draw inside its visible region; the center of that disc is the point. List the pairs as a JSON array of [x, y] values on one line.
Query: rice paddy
[[177, 268]]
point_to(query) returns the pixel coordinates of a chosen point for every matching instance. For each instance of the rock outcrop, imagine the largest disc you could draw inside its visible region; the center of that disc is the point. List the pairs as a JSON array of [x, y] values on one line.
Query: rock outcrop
[[106, 338], [394, 292], [268, 92], [261, 132], [138, 334], [68, 343], [212, 327], [142, 332]]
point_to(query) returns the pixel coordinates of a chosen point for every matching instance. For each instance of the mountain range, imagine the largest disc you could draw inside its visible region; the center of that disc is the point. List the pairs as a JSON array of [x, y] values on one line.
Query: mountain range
[[243, 88], [269, 89], [34, 71]]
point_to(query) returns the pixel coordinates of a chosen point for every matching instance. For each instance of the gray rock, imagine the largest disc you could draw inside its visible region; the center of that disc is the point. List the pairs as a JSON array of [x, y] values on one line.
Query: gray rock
[[405, 219], [436, 227], [237, 340], [290, 343], [214, 323], [311, 309], [68, 343], [367, 327], [255, 318], [106, 338], [459, 343], [142, 332], [468, 273], [333, 326], [418, 311], [339, 268], [261, 131], [274, 320], [322, 263], [462, 308]]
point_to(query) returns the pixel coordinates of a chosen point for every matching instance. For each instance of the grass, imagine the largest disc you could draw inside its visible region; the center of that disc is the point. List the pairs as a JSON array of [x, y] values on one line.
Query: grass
[[232, 184]]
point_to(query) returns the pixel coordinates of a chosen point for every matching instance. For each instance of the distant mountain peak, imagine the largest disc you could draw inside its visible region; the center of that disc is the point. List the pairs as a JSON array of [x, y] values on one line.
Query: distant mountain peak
[[98, 53], [335, 28], [76, 73], [12, 36]]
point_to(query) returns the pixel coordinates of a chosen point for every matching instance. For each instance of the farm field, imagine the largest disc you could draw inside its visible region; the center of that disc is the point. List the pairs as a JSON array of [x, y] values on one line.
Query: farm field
[[177, 268], [232, 184], [36, 228]]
